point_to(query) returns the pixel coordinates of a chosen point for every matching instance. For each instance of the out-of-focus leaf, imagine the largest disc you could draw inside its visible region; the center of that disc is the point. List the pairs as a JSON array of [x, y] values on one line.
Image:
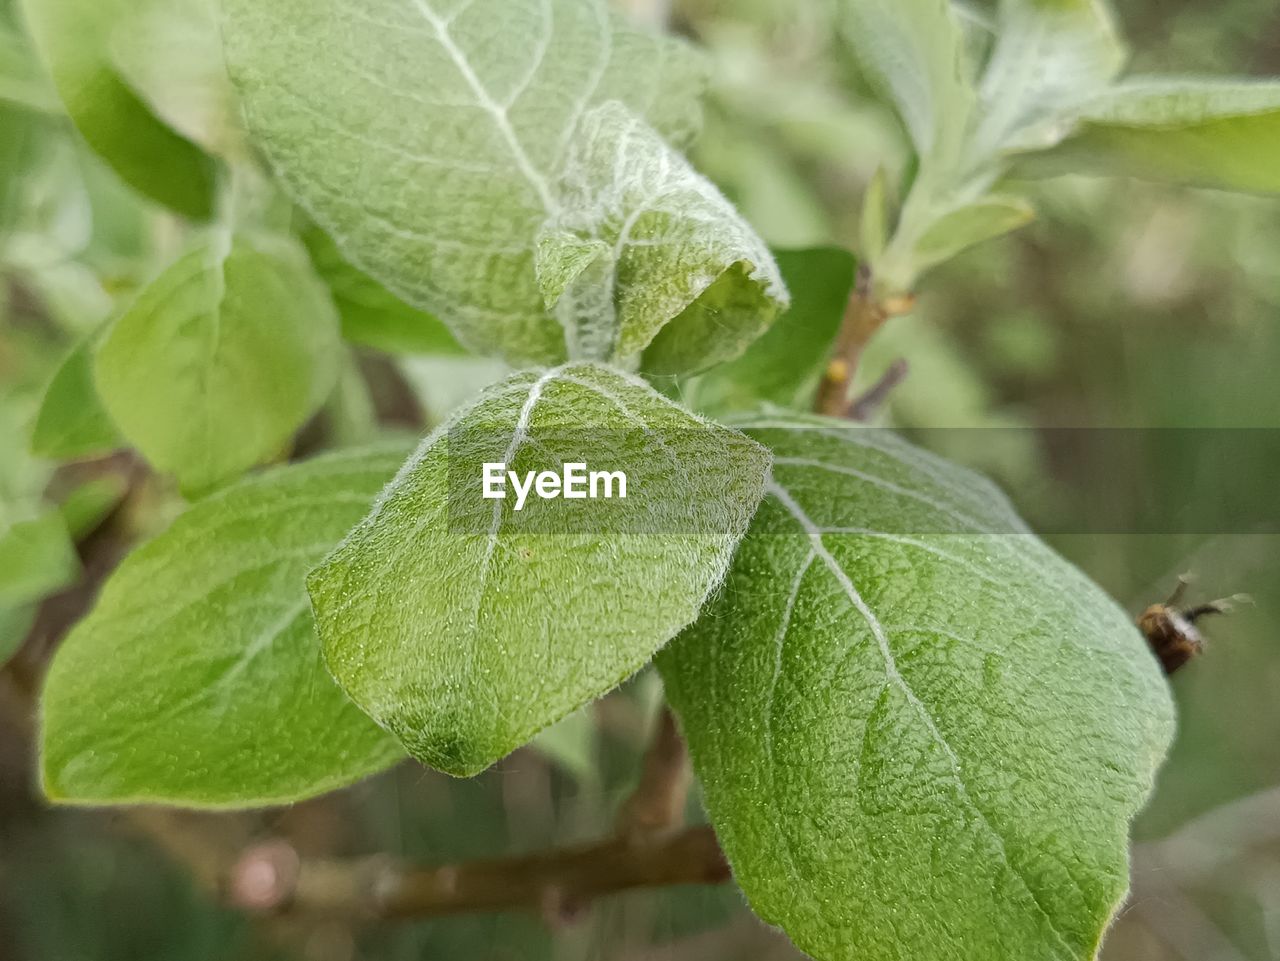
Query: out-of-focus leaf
[[88, 505], [36, 559], [571, 743], [1051, 56], [74, 39], [221, 358], [197, 677], [467, 625], [873, 226], [921, 734], [15, 622], [784, 365], [371, 314], [72, 423], [170, 53], [22, 81], [969, 225], [914, 50], [1212, 133]]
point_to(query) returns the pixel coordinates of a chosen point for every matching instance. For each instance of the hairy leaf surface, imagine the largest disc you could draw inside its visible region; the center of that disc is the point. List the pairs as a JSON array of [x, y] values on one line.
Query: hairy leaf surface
[[197, 678], [921, 733], [438, 140], [465, 627], [1050, 57], [221, 358]]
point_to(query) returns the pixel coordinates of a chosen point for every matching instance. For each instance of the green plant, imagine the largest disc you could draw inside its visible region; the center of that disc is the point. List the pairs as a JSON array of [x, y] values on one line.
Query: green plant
[[918, 731]]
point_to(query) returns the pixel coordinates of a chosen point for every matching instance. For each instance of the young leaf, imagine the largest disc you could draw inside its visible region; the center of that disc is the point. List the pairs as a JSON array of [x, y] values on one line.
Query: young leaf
[[197, 678], [784, 366], [36, 559], [462, 119], [914, 50], [371, 314], [74, 39], [645, 253], [15, 622], [1050, 57], [921, 734], [1213, 133], [72, 422], [221, 358], [465, 625], [957, 230], [22, 81]]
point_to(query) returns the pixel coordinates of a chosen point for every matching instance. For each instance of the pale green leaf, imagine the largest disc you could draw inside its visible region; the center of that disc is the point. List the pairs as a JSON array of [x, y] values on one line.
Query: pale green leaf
[[1050, 57], [170, 53], [197, 678], [434, 152], [15, 622], [920, 733], [465, 627], [784, 366], [371, 314], [91, 503], [72, 422], [645, 253], [74, 38], [914, 51], [36, 559], [874, 224], [221, 358], [1213, 132], [22, 81], [966, 226]]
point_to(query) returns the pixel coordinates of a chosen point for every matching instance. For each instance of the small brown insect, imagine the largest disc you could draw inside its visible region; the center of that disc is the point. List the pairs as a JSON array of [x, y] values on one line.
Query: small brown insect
[[1171, 629]]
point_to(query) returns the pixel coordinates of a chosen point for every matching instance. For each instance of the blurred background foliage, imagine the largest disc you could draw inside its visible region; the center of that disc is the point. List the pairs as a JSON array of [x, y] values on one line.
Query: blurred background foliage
[[1124, 305]]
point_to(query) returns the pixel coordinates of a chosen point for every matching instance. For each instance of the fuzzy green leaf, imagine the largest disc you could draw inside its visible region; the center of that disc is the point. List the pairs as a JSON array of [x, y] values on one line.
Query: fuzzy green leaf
[[1213, 133], [221, 358], [784, 366], [1050, 57], [74, 38], [72, 422], [197, 678], [921, 734], [465, 627], [914, 51], [455, 135]]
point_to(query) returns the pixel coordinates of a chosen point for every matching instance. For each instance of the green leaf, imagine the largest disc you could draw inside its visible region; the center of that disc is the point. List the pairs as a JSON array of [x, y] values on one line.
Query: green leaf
[[645, 253], [921, 734], [873, 225], [197, 678], [914, 51], [371, 314], [36, 559], [72, 423], [784, 366], [170, 53], [91, 503], [465, 627], [1212, 133], [969, 225], [478, 145], [571, 743], [21, 79], [1050, 57], [221, 358], [74, 39], [15, 622]]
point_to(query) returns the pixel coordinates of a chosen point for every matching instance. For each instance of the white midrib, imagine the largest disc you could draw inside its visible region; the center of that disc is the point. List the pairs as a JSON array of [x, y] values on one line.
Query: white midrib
[[894, 676], [491, 106]]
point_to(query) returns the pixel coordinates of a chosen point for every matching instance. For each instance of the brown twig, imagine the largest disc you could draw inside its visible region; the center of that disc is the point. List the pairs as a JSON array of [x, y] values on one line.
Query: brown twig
[[271, 878], [658, 802], [864, 316]]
